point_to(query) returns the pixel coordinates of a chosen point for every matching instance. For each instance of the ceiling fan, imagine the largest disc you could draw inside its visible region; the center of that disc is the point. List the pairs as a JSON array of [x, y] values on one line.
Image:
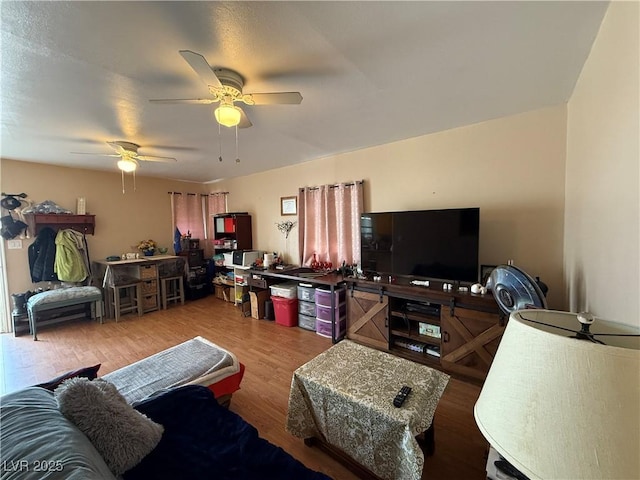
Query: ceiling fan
[[129, 157], [226, 87], [128, 153]]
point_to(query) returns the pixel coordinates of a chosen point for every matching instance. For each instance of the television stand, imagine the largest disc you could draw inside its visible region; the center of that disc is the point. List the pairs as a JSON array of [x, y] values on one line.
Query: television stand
[[455, 331]]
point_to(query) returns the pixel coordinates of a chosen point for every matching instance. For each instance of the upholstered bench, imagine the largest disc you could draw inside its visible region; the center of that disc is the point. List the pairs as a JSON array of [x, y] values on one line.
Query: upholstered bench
[[63, 297], [195, 362]]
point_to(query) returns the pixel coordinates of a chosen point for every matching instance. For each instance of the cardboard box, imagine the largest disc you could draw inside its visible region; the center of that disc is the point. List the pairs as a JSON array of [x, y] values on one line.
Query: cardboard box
[[223, 292], [219, 289], [258, 298], [228, 294]]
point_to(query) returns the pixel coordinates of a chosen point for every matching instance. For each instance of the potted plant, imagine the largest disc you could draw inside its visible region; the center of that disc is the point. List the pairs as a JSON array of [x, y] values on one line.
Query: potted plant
[[147, 247]]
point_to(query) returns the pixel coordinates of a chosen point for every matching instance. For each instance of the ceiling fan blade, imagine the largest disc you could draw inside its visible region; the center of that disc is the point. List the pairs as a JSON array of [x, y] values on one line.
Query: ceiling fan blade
[[152, 158], [120, 150], [193, 101], [282, 98], [96, 154], [172, 147], [201, 67], [244, 120]]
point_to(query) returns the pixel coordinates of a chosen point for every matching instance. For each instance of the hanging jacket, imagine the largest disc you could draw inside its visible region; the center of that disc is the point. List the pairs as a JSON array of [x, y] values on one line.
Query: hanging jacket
[[70, 264], [42, 255]]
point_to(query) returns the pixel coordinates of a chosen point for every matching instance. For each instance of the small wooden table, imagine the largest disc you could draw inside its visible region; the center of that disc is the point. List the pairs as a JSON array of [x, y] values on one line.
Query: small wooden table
[[344, 398]]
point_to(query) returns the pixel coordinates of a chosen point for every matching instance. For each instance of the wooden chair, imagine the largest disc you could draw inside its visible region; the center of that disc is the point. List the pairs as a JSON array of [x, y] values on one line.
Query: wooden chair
[[172, 282], [125, 298]]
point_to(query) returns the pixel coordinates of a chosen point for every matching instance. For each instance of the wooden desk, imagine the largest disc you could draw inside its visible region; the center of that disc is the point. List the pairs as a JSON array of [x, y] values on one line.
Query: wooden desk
[[105, 273], [262, 278], [119, 272], [344, 397]]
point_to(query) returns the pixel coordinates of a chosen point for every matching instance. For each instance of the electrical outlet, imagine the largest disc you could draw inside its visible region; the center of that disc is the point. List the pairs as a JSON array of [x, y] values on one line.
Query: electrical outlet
[[14, 244]]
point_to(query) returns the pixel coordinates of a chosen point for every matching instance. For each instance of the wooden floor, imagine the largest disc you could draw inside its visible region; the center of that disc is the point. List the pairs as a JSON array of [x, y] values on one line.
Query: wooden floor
[[270, 353]]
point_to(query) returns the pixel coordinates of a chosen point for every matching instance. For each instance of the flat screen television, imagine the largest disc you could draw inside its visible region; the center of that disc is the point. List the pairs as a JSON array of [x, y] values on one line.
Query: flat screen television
[[434, 244]]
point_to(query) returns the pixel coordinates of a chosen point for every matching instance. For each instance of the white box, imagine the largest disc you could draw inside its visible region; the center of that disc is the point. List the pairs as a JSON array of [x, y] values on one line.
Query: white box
[[429, 330], [285, 290], [492, 472]]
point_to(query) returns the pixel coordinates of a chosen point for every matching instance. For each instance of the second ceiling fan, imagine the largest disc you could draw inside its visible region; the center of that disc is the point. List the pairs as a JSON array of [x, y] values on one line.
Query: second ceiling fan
[[226, 87]]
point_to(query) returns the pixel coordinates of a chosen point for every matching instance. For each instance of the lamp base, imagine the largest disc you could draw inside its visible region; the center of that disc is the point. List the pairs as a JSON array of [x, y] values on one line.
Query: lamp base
[[499, 469]]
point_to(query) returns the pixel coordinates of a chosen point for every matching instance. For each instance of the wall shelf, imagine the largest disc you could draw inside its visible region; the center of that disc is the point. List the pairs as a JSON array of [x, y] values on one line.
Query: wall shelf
[[57, 221]]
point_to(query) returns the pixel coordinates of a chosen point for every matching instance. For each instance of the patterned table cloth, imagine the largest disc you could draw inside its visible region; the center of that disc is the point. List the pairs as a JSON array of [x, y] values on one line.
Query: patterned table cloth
[[345, 395]]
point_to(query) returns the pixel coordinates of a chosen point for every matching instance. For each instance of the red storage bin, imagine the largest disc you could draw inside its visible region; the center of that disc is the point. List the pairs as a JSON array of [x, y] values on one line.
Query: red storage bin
[[286, 311]]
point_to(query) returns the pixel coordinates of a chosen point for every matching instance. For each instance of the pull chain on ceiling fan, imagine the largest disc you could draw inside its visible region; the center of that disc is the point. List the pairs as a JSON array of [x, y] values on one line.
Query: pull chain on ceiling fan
[[220, 144]]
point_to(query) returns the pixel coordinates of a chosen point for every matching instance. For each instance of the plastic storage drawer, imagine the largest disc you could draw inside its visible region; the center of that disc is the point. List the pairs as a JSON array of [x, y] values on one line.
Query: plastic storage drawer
[[307, 322], [324, 328], [307, 308], [284, 290], [306, 293], [324, 313], [323, 297]]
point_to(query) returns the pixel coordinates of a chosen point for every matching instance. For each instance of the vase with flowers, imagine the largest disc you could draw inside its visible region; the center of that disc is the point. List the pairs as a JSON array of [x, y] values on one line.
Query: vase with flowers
[[285, 228], [147, 247]]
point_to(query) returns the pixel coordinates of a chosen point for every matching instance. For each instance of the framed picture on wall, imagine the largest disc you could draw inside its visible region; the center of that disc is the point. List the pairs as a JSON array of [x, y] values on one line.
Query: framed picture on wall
[[288, 205], [485, 272]]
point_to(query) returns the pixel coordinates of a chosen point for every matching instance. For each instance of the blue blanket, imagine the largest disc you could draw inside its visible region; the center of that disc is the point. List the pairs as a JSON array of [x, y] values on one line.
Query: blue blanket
[[203, 440]]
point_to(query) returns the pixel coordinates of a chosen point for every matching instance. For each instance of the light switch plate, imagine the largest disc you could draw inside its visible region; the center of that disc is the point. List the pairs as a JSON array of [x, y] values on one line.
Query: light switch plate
[[14, 244]]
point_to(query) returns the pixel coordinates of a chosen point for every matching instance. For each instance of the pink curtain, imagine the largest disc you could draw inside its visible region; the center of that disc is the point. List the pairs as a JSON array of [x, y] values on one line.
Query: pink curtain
[[216, 203], [188, 214], [329, 223], [192, 213]]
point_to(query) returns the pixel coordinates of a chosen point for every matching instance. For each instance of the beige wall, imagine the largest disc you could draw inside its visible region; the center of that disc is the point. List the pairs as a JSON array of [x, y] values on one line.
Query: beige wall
[[602, 240], [122, 220], [512, 168]]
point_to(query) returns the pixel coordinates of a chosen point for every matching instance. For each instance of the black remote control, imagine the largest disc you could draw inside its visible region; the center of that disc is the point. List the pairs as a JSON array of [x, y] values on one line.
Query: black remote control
[[401, 396]]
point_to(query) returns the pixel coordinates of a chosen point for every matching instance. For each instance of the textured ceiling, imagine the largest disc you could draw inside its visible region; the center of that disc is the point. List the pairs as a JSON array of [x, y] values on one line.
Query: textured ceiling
[[75, 75]]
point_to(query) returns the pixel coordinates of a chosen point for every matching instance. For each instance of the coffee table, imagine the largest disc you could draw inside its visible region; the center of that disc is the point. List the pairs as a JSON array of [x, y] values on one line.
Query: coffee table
[[344, 398]]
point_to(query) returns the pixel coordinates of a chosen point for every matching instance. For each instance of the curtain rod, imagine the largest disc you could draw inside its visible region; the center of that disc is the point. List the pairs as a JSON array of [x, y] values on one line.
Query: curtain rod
[[203, 194], [348, 184]]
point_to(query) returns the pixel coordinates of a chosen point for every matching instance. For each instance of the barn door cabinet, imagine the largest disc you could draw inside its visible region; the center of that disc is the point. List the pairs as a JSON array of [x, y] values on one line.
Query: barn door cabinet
[[469, 341], [456, 332], [368, 318]]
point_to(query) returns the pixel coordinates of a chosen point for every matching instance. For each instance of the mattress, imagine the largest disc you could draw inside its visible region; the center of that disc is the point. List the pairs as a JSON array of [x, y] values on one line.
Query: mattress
[[195, 362]]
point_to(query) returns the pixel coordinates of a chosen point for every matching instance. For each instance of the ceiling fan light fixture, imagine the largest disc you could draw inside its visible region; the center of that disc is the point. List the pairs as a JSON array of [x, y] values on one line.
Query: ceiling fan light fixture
[[228, 115], [127, 165]]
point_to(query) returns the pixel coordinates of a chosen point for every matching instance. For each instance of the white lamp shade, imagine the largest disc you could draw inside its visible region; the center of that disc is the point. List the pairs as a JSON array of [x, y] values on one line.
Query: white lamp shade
[[560, 408], [228, 115], [127, 165]]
